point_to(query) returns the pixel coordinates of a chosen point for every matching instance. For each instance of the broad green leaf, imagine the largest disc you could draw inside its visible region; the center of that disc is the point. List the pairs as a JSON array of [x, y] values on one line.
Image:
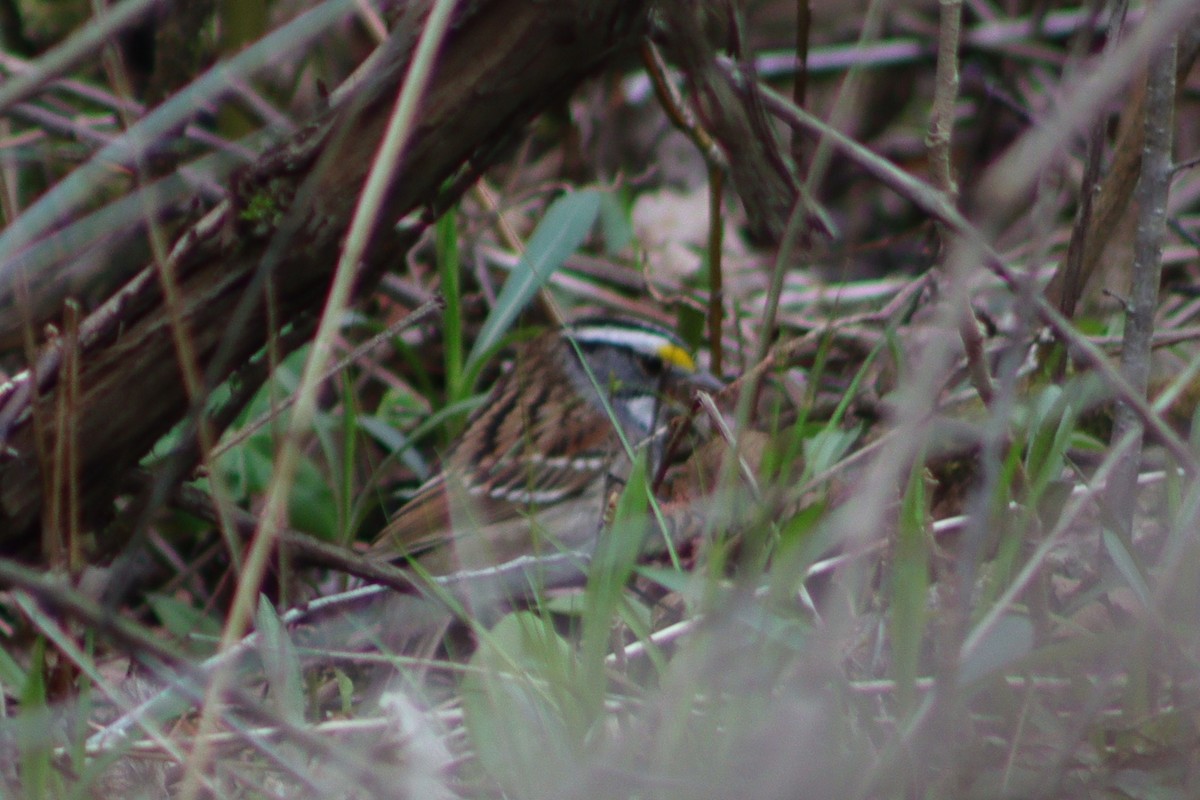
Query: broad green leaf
[[184, 622], [12, 674], [281, 665], [562, 230], [1011, 638], [615, 223], [827, 447], [513, 701]]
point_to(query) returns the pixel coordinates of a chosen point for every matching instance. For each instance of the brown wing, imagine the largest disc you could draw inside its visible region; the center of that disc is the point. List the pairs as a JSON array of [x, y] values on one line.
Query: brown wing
[[534, 443], [420, 525]]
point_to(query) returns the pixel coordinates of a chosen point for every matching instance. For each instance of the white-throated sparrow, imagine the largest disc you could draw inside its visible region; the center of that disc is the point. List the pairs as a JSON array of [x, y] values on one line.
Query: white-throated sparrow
[[532, 472]]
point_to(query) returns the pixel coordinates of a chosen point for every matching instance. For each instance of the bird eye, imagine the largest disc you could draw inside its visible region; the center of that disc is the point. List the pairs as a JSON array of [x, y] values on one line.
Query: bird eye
[[653, 367]]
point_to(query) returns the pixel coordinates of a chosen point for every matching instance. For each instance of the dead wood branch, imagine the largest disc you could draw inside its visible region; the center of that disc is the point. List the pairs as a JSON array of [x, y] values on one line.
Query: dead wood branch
[[504, 61]]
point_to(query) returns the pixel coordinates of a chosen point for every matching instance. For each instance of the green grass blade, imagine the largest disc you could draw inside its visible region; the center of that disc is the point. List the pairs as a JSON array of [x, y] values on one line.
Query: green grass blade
[[616, 555], [910, 587], [449, 267], [33, 741]]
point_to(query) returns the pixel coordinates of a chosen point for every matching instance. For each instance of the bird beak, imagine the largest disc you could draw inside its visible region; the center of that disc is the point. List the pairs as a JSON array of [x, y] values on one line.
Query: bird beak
[[704, 380]]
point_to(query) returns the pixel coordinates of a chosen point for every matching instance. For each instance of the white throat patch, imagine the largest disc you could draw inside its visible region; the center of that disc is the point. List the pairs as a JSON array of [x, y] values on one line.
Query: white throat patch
[[641, 411]]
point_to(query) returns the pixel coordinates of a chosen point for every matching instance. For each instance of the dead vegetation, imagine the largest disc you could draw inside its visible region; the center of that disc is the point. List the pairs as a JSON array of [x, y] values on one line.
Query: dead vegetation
[[255, 272]]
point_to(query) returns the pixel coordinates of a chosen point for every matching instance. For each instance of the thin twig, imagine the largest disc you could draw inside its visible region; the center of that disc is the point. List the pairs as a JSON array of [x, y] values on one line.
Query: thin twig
[[716, 238], [62, 520], [91, 38], [683, 119], [677, 110], [945, 98], [1151, 195], [78, 189], [400, 129], [931, 201], [800, 80], [176, 672], [977, 365], [941, 130]]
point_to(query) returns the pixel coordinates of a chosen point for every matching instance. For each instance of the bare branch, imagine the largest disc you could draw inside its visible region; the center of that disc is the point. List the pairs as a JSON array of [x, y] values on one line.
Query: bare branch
[[1153, 189]]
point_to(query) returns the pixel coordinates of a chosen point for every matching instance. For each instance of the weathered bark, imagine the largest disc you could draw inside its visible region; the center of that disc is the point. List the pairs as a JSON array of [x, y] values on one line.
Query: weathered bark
[[1114, 193], [735, 118], [504, 61]]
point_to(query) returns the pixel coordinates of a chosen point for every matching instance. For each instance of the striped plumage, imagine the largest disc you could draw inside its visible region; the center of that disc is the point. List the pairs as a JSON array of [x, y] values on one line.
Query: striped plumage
[[532, 471]]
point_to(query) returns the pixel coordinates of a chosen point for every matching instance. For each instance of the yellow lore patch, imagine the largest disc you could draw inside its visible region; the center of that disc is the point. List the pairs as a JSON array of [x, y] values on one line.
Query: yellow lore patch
[[674, 354]]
